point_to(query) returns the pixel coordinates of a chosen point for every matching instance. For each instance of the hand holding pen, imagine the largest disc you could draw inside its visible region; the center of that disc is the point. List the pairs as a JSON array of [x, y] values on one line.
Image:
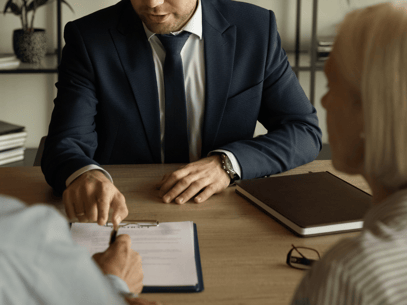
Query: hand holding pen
[[121, 260]]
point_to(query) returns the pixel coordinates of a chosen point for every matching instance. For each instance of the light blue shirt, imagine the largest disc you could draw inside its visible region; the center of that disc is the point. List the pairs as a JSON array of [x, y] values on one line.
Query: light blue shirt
[[193, 59], [41, 264]]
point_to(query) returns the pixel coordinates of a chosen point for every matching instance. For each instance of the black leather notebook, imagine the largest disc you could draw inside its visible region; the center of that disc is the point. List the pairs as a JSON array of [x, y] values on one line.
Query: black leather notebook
[[309, 204]]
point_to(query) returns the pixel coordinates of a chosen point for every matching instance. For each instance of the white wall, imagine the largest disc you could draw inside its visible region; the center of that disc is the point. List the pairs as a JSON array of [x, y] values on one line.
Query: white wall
[[27, 99]]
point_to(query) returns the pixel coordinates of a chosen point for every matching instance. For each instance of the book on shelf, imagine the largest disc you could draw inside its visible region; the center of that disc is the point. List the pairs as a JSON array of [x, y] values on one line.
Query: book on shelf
[[7, 57], [8, 61], [326, 40], [12, 141], [324, 47], [323, 52], [11, 155], [8, 144], [6, 128], [13, 136]]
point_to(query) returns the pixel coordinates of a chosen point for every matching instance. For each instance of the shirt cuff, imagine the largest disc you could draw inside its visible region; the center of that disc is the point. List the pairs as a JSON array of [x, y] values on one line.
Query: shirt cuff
[[84, 170], [120, 286], [232, 158]]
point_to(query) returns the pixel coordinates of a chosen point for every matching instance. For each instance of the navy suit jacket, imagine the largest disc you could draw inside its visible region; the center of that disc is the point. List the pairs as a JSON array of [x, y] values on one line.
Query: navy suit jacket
[[107, 112]]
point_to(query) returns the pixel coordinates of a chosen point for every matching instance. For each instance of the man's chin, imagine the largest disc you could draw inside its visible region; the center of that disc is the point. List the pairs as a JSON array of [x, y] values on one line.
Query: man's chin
[[158, 28], [162, 28]]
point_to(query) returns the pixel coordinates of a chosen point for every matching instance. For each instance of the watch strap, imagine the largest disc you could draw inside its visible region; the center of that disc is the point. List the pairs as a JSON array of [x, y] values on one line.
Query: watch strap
[[228, 168]]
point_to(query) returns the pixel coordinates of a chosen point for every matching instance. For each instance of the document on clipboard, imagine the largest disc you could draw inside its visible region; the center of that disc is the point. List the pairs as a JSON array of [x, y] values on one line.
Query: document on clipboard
[[169, 252]]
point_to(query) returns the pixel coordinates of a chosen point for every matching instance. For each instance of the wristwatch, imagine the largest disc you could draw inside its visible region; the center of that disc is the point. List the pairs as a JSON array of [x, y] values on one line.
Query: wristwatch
[[227, 166]]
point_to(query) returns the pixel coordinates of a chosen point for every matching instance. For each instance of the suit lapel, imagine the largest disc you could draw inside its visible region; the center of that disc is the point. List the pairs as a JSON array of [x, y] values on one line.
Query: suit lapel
[[219, 45], [136, 57]]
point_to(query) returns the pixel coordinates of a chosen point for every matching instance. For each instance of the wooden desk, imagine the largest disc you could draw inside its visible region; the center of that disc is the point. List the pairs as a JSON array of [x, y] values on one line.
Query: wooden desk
[[243, 251]]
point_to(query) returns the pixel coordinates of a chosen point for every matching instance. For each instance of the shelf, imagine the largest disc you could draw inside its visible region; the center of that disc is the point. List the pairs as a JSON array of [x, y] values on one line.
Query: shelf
[[48, 65], [304, 62]]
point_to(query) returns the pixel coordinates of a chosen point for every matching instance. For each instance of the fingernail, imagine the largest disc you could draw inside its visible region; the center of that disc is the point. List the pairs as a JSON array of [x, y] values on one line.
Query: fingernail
[[166, 199], [102, 222], [198, 199], [180, 200], [118, 219]]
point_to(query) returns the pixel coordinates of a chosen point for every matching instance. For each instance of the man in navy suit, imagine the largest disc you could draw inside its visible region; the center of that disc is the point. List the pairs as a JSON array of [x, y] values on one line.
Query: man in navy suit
[[110, 103]]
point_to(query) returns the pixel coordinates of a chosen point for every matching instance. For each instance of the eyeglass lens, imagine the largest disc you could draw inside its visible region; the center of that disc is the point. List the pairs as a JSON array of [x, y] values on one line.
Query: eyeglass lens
[[302, 258]]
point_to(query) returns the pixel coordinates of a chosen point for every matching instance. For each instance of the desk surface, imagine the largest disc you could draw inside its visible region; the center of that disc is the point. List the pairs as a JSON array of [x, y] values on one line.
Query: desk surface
[[243, 250]]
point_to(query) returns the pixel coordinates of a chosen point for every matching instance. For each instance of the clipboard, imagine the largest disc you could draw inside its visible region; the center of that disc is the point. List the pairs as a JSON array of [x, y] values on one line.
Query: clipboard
[[177, 289], [172, 289]]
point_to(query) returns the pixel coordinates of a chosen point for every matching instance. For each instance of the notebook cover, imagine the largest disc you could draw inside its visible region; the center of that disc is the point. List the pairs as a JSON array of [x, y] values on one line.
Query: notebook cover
[[198, 288], [309, 200], [8, 128]]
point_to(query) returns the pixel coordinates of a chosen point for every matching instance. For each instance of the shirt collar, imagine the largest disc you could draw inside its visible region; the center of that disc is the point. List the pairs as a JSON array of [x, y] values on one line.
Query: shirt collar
[[194, 25], [391, 212]]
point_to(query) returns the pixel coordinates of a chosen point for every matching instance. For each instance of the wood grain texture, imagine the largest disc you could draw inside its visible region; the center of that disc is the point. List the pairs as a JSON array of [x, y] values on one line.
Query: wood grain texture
[[243, 250]]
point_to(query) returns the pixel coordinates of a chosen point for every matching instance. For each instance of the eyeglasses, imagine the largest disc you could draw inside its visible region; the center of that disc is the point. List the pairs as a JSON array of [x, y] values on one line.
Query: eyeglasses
[[302, 257]]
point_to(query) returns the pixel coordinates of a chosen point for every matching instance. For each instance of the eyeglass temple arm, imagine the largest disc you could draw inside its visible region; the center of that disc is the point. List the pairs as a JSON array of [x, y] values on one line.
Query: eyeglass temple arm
[[301, 260]]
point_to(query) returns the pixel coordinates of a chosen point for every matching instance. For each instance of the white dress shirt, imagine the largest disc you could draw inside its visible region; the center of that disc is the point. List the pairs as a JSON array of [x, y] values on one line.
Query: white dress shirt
[[370, 269], [41, 264], [193, 59]]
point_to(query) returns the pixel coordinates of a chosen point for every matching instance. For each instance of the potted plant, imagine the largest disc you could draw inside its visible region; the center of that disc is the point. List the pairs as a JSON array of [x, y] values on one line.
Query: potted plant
[[29, 43]]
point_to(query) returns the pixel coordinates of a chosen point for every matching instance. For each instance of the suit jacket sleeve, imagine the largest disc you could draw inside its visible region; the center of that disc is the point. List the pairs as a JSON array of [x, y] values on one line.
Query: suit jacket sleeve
[[293, 137], [72, 139]]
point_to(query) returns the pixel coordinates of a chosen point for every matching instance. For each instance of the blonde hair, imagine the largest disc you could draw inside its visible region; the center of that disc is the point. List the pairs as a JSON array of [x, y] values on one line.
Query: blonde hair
[[371, 49]]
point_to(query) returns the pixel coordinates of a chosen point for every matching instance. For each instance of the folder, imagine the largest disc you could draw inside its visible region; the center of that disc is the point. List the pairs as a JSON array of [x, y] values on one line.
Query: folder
[[309, 204], [96, 239]]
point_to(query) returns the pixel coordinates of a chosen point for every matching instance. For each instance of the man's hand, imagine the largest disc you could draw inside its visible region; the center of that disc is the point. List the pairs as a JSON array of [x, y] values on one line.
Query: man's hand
[[206, 175], [90, 196], [120, 260]]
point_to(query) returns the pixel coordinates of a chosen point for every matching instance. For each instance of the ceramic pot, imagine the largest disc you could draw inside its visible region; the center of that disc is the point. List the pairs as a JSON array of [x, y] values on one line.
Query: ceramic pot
[[30, 47]]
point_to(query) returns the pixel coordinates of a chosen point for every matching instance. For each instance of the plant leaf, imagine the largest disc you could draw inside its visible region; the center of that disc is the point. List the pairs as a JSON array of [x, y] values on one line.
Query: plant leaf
[[6, 6], [14, 8], [36, 4], [8, 3], [67, 4]]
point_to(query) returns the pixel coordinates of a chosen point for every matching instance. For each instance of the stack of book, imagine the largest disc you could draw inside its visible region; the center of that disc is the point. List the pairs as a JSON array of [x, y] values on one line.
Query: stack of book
[[8, 61], [12, 141], [324, 48]]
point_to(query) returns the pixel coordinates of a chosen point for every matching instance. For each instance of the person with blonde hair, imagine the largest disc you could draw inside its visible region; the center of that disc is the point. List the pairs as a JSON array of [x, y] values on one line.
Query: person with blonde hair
[[367, 125]]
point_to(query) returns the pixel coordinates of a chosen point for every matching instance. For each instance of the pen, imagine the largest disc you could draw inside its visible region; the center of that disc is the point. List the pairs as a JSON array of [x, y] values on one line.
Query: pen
[[138, 223], [113, 236]]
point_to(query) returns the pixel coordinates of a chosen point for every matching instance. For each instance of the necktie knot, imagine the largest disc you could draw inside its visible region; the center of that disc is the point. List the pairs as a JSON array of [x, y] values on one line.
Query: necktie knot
[[173, 43]]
